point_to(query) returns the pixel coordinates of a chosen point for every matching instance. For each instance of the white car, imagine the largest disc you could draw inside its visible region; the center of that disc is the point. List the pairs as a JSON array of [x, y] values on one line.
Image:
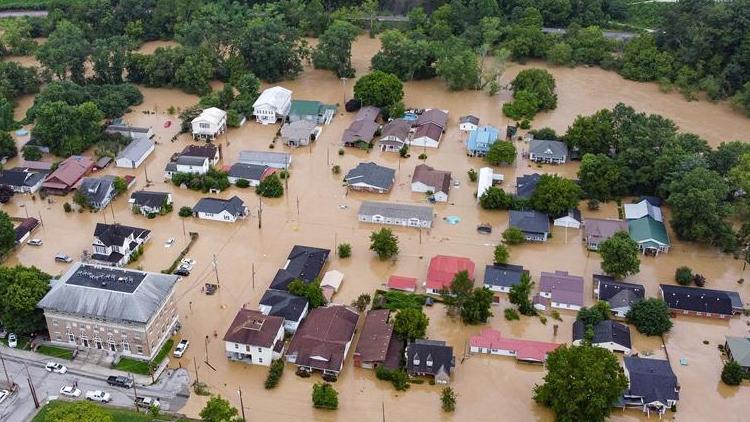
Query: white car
[[35, 242], [56, 367], [181, 348], [61, 257], [70, 391], [12, 341], [4, 395], [188, 261], [100, 396]]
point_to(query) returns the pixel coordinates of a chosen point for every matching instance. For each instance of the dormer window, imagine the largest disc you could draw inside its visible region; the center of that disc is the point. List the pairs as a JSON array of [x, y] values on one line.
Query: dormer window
[[416, 359], [429, 362]]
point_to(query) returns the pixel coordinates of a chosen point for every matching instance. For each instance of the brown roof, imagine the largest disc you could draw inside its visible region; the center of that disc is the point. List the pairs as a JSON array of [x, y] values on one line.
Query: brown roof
[[360, 130], [430, 130], [376, 335], [438, 179], [208, 150], [433, 115], [70, 171], [599, 230], [324, 335], [398, 128], [253, 328]]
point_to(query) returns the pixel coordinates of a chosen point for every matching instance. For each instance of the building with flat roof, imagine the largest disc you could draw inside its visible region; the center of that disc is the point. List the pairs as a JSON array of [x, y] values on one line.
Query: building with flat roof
[[391, 213], [112, 310]]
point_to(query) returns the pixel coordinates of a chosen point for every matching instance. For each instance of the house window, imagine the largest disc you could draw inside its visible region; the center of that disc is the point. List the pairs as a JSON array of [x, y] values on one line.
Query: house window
[[236, 346], [429, 362], [125, 346], [204, 125], [259, 349], [260, 360], [416, 361], [140, 350], [71, 337]]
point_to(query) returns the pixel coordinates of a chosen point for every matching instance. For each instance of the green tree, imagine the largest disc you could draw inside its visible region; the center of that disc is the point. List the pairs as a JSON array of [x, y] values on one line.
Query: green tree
[[448, 399], [643, 61], [732, 373], [401, 55], [650, 317], [683, 275], [108, 57], [32, 153], [410, 323], [593, 134], [79, 411], [501, 254], [120, 185], [560, 54], [384, 243], [194, 73], [494, 198], [555, 195], [592, 316], [7, 146], [218, 410], [379, 89], [726, 156], [324, 396], [513, 236], [65, 52], [620, 255], [457, 65], [311, 291], [535, 86], [272, 49], [601, 178], [475, 309], [501, 153], [21, 288], [315, 19], [519, 295], [7, 233], [185, 212], [67, 129], [345, 250], [599, 383], [334, 51], [270, 187], [458, 292]]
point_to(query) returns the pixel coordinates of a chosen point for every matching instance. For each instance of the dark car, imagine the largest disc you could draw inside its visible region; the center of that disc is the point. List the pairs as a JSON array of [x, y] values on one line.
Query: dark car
[[182, 272], [120, 381]]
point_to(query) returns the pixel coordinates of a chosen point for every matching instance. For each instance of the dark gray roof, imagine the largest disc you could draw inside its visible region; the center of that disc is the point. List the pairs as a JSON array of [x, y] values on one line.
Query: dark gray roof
[[552, 149], [304, 263], [209, 151], [526, 185], [604, 332], [144, 198], [282, 159], [188, 160], [438, 352], [651, 379], [617, 292], [503, 275], [233, 205], [96, 188], [573, 213], [115, 234], [20, 176], [529, 221], [247, 171], [371, 174], [284, 304], [698, 299], [469, 119], [114, 294], [435, 116]]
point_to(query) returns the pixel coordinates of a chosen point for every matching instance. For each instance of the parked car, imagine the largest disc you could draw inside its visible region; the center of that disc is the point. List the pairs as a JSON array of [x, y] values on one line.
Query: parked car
[[70, 391], [12, 340], [181, 348], [124, 382], [182, 272], [147, 402], [100, 396], [56, 367], [4, 395], [35, 242], [61, 257]]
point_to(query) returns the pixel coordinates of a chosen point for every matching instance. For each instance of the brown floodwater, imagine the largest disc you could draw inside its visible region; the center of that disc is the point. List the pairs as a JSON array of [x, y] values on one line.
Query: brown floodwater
[[310, 213]]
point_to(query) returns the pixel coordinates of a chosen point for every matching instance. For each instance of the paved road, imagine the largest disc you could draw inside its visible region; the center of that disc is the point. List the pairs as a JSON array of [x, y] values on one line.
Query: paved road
[[172, 389], [18, 13]]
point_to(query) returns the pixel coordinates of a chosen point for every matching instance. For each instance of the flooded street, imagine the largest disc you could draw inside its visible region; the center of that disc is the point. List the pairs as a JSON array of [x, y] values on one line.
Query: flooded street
[[311, 213]]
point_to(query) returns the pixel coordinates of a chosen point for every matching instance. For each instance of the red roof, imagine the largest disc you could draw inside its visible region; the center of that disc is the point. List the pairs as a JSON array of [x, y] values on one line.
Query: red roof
[[528, 350], [444, 268], [402, 283]]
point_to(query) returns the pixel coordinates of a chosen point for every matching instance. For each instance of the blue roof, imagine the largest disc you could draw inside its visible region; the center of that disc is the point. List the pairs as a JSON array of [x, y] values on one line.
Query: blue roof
[[482, 138]]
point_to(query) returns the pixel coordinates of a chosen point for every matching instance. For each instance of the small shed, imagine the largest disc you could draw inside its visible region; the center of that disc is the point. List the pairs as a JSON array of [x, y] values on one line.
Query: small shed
[[407, 284], [332, 279]]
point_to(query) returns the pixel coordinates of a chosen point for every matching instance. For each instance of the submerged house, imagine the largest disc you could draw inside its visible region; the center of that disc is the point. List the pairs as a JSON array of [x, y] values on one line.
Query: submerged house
[[428, 180], [738, 350], [370, 177], [254, 338], [135, 153], [280, 303], [23, 179], [429, 128], [115, 244], [468, 123], [277, 160], [432, 358], [533, 224], [98, 191], [216, 209], [211, 123], [650, 235], [492, 342], [561, 290], [395, 214], [67, 175], [542, 151], [303, 263], [312, 111], [361, 131], [620, 295], [272, 105], [146, 202], [252, 173], [697, 301], [395, 135], [481, 140], [597, 230], [443, 269], [652, 386], [299, 133], [501, 277], [611, 335], [377, 346]]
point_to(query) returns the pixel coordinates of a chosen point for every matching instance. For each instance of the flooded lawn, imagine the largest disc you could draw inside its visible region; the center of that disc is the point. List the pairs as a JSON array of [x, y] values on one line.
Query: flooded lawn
[[311, 213]]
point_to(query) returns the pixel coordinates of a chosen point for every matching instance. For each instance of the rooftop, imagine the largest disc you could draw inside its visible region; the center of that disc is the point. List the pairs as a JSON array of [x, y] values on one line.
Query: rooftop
[[698, 299], [503, 275], [563, 287], [530, 221], [438, 179], [375, 336], [526, 350], [304, 263], [651, 379], [321, 340], [284, 304], [604, 332], [544, 148], [371, 174], [252, 328], [396, 210], [444, 268]]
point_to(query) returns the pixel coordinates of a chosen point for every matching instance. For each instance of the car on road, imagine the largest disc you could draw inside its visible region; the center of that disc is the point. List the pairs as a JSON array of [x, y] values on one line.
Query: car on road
[[12, 341], [4, 395], [70, 391], [35, 242], [56, 367], [181, 348], [147, 402], [61, 257], [98, 395], [120, 381]]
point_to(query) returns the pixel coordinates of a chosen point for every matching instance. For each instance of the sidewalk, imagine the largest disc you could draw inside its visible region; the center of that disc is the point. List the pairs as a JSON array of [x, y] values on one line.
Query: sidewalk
[[75, 367]]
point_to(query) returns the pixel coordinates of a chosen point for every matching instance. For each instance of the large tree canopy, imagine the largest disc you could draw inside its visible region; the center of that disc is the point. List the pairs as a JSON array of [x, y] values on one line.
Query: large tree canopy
[[21, 288]]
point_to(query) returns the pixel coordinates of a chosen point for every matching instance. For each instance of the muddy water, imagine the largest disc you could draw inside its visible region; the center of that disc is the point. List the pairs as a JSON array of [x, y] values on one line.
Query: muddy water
[[310, 214]]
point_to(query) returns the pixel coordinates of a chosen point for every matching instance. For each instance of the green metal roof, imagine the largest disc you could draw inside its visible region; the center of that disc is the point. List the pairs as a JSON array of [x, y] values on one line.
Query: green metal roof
[[305, 108], [740, 348], [646, 229]]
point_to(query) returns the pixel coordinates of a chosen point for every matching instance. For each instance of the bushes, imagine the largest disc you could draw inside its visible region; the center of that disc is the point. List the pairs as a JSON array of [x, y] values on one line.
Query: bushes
[[513, 236], [212, 180], [185, 212], [324, 396], [274, 373], [270, 187], [242, 184], [448, 399], [511, 314], [683, 276], [345, 250], [397, 377], [732, 373]]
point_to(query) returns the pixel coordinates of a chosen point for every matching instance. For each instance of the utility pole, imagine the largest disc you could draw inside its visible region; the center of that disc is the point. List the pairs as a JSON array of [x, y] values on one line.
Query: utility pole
[[253, 276], [145, 170], [7, 377], [206, 343], [112, 208], [135, 394], [41, 220], [31, 387], [260, 212], [183, 228], [297, 208], [242, 405], [216, 270], [195, 364]]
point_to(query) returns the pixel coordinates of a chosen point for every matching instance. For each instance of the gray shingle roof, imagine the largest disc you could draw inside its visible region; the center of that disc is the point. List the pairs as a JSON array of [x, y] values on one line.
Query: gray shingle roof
[[436, 351], [96, 188], [604, 332], [144, 198], [503, 275], [394, 210], [526, 185], [233, 205], [281, 159], [115, 234], [114, 294], [551, 149], [371, 174], [136, 149], [651, 379], [247, 171], [284, 304], [529, 221], [188, 160]]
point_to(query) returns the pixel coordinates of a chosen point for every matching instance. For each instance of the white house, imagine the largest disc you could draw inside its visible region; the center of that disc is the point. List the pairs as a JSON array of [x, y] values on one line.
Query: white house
[[285, 305], [468, 123], [272, 105], [135, 153], [610, 335], [255, 338], [210, 123], [225, 210], [150, 202], [184, 164], [435, 182], [487, 178], [395, 214], [278, 160], [114, 244]]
